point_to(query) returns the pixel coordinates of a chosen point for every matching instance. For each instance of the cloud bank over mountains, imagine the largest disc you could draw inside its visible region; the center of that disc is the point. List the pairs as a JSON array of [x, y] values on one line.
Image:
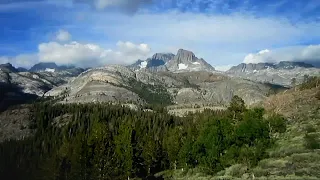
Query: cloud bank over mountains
[[309, 54], [91, 55], [64, 52], [80, 54], [98, 32]]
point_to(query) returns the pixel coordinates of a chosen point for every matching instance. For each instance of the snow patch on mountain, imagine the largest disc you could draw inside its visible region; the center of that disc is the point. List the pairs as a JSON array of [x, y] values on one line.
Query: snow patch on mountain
[[49, 70], [182, 66], [143, 64]]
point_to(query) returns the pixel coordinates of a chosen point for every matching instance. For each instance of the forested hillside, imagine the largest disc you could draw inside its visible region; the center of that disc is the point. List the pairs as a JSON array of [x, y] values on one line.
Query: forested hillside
[[103, 141]]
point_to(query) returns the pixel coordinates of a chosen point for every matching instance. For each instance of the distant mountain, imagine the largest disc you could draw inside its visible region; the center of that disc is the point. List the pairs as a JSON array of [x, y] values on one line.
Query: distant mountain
[[21, 69], [155, 63], [8, 68], [261, 66], [42, 66], [280, 73], [49, 66], [184, 60], [187, 61], [160, 59], [292, 65]]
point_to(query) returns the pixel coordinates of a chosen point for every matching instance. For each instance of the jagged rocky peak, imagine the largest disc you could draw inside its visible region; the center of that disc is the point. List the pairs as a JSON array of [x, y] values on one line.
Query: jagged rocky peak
[[185, 55], [184, 60], [155, 63], [187, 61], [163, 56], [158, 59], [243, 67]]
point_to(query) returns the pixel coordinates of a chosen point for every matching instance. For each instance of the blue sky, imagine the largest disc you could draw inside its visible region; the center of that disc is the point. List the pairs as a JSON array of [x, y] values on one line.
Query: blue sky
[[99, 32]]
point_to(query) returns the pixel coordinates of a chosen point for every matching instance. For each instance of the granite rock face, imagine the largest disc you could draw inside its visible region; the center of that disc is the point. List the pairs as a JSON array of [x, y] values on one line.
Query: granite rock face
[[187, 61], [183, 61], [165, 57]]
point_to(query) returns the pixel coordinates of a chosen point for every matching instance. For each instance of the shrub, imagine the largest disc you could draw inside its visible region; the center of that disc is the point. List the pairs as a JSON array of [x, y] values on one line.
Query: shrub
[[310, 82], [236, 170], [318, 95], [310, 129], [237, 104], [311, 141], [277, 123]]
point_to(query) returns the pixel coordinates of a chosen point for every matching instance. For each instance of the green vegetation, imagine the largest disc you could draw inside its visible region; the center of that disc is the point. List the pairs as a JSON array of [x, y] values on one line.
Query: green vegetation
[[310, 82], [152, 94], [295, 154], [103, 141]]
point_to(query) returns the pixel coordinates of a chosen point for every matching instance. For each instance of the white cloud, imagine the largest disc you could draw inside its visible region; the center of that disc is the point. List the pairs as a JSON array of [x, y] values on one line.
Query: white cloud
[[89, 55], [63, 36], [310, 54], [22, 60], [219, 39], [260, 57], [127, 5], [82, 55]]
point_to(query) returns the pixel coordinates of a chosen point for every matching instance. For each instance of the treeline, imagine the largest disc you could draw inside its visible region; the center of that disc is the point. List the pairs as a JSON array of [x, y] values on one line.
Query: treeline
[[103, 141]]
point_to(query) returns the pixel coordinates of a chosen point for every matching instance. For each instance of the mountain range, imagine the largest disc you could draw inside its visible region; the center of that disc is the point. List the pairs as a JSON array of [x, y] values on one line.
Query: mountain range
[[281, 73], [282, 65], [183, 61], [165, 78]]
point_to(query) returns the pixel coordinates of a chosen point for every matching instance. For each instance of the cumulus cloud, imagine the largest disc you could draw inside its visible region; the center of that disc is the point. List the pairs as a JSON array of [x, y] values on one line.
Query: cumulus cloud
[[309, 54], [63, 36], [126, 5], [260, 57], [80, 54], [90, 55]]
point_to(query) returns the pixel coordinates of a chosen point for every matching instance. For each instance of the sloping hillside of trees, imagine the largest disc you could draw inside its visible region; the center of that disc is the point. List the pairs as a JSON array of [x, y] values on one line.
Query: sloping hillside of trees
[[103, 141]]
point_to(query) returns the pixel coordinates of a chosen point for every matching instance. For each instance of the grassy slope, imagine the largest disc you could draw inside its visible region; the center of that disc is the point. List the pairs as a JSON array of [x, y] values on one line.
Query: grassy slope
[[289, 158]]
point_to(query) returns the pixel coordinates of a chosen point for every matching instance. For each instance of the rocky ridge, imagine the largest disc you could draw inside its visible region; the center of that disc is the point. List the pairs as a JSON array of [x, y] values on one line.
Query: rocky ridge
[[282, 65], [120, 84], [282, 73], [18, 87], [183, 61], [164, 78]]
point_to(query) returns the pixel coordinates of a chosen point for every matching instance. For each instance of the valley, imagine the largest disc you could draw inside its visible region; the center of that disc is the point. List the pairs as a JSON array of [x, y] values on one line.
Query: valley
[[159, 90]]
